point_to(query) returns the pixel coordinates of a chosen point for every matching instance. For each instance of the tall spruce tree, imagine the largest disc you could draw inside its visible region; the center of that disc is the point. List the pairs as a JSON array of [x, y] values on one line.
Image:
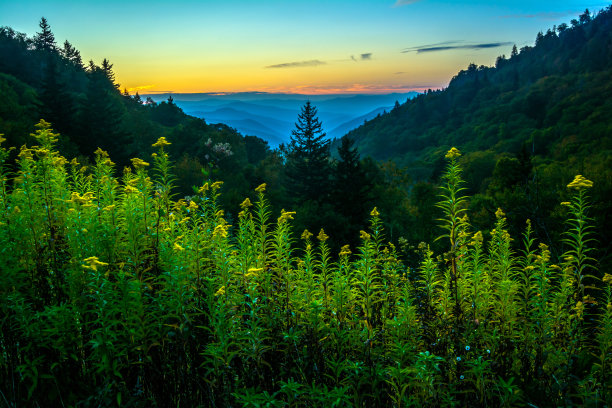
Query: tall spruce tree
[[44, 40], [308, 165], [351, 193]]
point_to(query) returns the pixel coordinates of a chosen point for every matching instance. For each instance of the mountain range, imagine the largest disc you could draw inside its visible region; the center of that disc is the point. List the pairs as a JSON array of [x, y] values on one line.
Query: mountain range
[[272, 116]]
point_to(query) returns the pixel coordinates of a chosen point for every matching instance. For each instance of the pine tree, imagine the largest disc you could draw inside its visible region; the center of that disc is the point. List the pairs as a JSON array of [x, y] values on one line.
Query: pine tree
[[72, 55], [308, 166], [44, 40], [351, 192]]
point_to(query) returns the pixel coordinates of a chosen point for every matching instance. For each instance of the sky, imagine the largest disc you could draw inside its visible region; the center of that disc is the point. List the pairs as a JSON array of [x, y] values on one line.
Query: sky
[[291, 46]]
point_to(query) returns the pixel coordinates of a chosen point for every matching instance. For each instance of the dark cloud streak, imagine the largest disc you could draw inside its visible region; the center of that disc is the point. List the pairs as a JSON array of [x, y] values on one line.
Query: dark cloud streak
[[298, 64], [366, 56], [455, 46]]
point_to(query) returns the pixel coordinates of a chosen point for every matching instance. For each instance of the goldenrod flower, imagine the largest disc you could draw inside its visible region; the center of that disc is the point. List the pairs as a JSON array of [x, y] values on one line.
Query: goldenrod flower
[[261, 188], [345, 250], [253, 272], [161, 142], [221, 291], [84, 199], [499, 214], [193, 205], [607, 279], [579, 308], [246, 204], [453, 153], [322, 236], [285, 216], [138, 163], [1, 138], [130, 189], [374, 212], [203, 189], [25, 153], [100, 152], [580, 183], [92, 263], [364, 235], [220, 230], [216, 185], [177, 247], [566, 203], [306, 235]]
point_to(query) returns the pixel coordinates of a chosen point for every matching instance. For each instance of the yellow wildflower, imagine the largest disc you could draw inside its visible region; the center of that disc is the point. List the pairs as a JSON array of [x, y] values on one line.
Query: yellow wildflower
[[139, 163], [216, 185], [607, 279], [220, 230], [253, 272], [580, 183], [322, 236], [84, 199], [579, 308], [100, 152], [477, 236], [566, 203], [92, 263], [177, 247], [221, 291], [285, 216], [374, 213], [25, 153], [203, 189], [499, 214], [161, 142], [306, 235], [453, 153], [345, 250], [193, 205], [1, 138], [364, 235], [246, 204], [261, 188], [130, 189]]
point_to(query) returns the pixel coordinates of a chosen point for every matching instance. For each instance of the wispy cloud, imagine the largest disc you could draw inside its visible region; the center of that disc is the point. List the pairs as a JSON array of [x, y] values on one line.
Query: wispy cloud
[[363, 57], [550, 15], [298, 64], [400, 3], [454, 45]]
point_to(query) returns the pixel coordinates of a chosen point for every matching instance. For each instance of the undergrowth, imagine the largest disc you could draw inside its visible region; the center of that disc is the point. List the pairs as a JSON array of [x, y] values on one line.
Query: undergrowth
[[113, 292]]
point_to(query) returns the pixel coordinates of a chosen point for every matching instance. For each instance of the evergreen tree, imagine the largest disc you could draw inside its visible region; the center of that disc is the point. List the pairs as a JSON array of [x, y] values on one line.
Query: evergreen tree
[[102, 116], [308, 165], [351, 192], [72, 55], [58, 105], [44, 40]]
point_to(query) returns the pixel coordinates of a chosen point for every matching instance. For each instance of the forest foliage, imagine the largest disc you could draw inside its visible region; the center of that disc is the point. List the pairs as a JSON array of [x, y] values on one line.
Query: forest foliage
[[525, 125], [114, 292]]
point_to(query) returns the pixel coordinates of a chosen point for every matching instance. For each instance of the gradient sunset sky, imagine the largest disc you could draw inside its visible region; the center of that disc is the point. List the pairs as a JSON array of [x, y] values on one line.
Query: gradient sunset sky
[[357, 46]]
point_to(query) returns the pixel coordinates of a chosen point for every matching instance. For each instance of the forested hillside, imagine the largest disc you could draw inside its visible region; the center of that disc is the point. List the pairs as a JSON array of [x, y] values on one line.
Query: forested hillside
[[82, 101], [535, 119]]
